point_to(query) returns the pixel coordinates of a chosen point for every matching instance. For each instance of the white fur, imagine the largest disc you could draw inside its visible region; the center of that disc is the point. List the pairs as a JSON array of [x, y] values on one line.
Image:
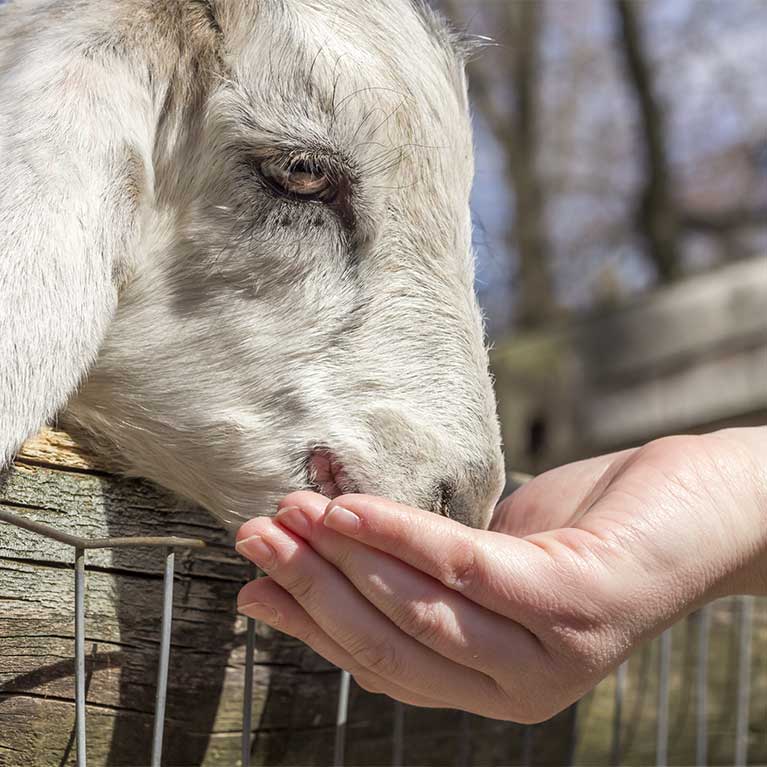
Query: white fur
[[225, 332]]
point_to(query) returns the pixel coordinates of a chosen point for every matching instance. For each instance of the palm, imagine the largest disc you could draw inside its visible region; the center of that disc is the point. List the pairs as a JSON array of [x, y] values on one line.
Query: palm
[[557, 498], [648, 499]]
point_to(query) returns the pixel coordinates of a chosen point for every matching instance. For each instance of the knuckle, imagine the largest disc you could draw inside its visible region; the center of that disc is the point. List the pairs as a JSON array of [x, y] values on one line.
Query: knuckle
[[380, 658], [300, 587], [421, 620], [460, 569], [303, 634], [304, 631], [342, 560]]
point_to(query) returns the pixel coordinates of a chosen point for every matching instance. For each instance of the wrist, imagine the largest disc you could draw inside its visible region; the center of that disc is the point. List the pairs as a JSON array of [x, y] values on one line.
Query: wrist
[[742, 456]]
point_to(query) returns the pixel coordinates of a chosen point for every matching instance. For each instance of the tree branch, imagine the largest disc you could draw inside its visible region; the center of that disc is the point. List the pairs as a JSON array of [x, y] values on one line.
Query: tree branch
[[657, 214], [725, 221]]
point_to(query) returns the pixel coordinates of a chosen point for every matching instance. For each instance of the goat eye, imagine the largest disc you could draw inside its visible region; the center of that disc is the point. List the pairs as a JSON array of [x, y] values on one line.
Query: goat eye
[[299, 179]]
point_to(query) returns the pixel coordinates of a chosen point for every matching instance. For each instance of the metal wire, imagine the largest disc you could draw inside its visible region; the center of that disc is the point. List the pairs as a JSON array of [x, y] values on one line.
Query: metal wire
[[572, 746], [398, 735], [744, 681], [341, 719], [80, 545], [164, 660], [98, 543], [701, 724], [620, 686], [464, 741], [247, 695], [80, 656], [528, 738], [664, 666]]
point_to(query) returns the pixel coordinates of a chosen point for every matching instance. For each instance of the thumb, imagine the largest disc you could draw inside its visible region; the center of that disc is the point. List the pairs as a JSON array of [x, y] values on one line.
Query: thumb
[[558, 497]]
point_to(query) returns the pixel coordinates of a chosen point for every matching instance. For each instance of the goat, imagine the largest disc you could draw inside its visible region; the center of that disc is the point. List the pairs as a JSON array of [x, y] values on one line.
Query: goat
[[235, 247]]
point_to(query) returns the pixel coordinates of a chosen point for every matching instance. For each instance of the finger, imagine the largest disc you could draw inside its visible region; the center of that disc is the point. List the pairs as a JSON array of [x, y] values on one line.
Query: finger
[[557, 498], [375, 644], [266, 601], [491, 569], [422, 607]]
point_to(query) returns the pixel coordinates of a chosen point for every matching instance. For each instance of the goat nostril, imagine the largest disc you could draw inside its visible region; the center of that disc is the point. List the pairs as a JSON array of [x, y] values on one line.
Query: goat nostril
[[444, 494]]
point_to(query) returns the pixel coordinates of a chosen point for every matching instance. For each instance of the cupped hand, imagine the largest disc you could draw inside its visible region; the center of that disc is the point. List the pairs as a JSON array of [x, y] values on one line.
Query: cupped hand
[[581, 565]]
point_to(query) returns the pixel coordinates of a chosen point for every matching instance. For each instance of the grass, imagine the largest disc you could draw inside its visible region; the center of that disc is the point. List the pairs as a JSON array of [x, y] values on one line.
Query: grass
[[639, 716]]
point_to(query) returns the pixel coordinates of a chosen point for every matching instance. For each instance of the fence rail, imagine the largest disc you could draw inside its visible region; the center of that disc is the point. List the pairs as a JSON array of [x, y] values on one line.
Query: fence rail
[[701, 622], [80, 545]]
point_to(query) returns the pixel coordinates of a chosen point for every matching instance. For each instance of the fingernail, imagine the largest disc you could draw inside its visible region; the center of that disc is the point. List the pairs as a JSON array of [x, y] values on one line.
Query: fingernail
[[260, 611], [342, 520], [294, 519], [257, 550]]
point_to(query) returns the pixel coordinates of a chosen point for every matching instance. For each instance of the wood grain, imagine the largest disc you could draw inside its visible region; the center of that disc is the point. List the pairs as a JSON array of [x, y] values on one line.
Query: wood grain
[[58, 481]]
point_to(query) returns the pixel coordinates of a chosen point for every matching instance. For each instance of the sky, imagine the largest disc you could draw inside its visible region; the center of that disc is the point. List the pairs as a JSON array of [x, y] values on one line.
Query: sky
[[709, 57]]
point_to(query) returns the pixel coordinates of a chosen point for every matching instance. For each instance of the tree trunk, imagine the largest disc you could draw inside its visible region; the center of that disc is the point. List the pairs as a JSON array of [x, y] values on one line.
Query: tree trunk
[[535, 289], [657, 214], [510, 108]]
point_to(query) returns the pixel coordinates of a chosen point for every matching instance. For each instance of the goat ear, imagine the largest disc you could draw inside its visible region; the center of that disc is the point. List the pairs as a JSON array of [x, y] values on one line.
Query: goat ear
[[74, 140]]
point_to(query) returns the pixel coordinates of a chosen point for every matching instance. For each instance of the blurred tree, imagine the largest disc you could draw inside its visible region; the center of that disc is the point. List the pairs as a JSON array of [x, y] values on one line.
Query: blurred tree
[[510, 109], [627, 141], [657, 214]]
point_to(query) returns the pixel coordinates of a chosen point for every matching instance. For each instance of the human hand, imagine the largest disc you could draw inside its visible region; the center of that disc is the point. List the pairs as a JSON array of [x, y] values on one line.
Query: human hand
[[584, 563]]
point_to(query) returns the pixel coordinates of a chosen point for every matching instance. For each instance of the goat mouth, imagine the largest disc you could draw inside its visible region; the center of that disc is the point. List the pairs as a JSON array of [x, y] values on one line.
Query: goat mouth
[[327, 474]]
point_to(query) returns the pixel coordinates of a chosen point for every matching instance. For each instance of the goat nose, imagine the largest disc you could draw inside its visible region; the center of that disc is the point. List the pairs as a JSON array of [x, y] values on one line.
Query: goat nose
[[468, 499]]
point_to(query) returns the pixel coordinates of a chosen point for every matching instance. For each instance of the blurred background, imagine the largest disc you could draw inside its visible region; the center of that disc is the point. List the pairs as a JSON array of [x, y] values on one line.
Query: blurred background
[[620, 210]]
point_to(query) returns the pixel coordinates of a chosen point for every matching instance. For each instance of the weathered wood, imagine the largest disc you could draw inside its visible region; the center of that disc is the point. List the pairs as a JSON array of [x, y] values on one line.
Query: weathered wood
[[57, 449], [56, 481], [683, 358]]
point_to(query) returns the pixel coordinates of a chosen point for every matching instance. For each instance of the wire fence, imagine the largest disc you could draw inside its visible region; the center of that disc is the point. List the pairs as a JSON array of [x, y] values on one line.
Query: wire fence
[[80, 546], [617, 747]]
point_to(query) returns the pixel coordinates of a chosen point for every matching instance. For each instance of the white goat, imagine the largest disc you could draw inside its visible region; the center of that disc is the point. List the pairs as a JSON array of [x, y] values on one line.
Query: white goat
[[235, 245]]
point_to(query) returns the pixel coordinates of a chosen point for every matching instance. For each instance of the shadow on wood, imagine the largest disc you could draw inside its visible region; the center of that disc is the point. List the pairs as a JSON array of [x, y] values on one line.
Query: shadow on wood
[[55, 482]]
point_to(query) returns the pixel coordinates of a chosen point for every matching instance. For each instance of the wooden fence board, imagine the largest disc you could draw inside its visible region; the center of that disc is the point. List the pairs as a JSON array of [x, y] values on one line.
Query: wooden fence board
[[686, 357], [295, 690], [57, 482]]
